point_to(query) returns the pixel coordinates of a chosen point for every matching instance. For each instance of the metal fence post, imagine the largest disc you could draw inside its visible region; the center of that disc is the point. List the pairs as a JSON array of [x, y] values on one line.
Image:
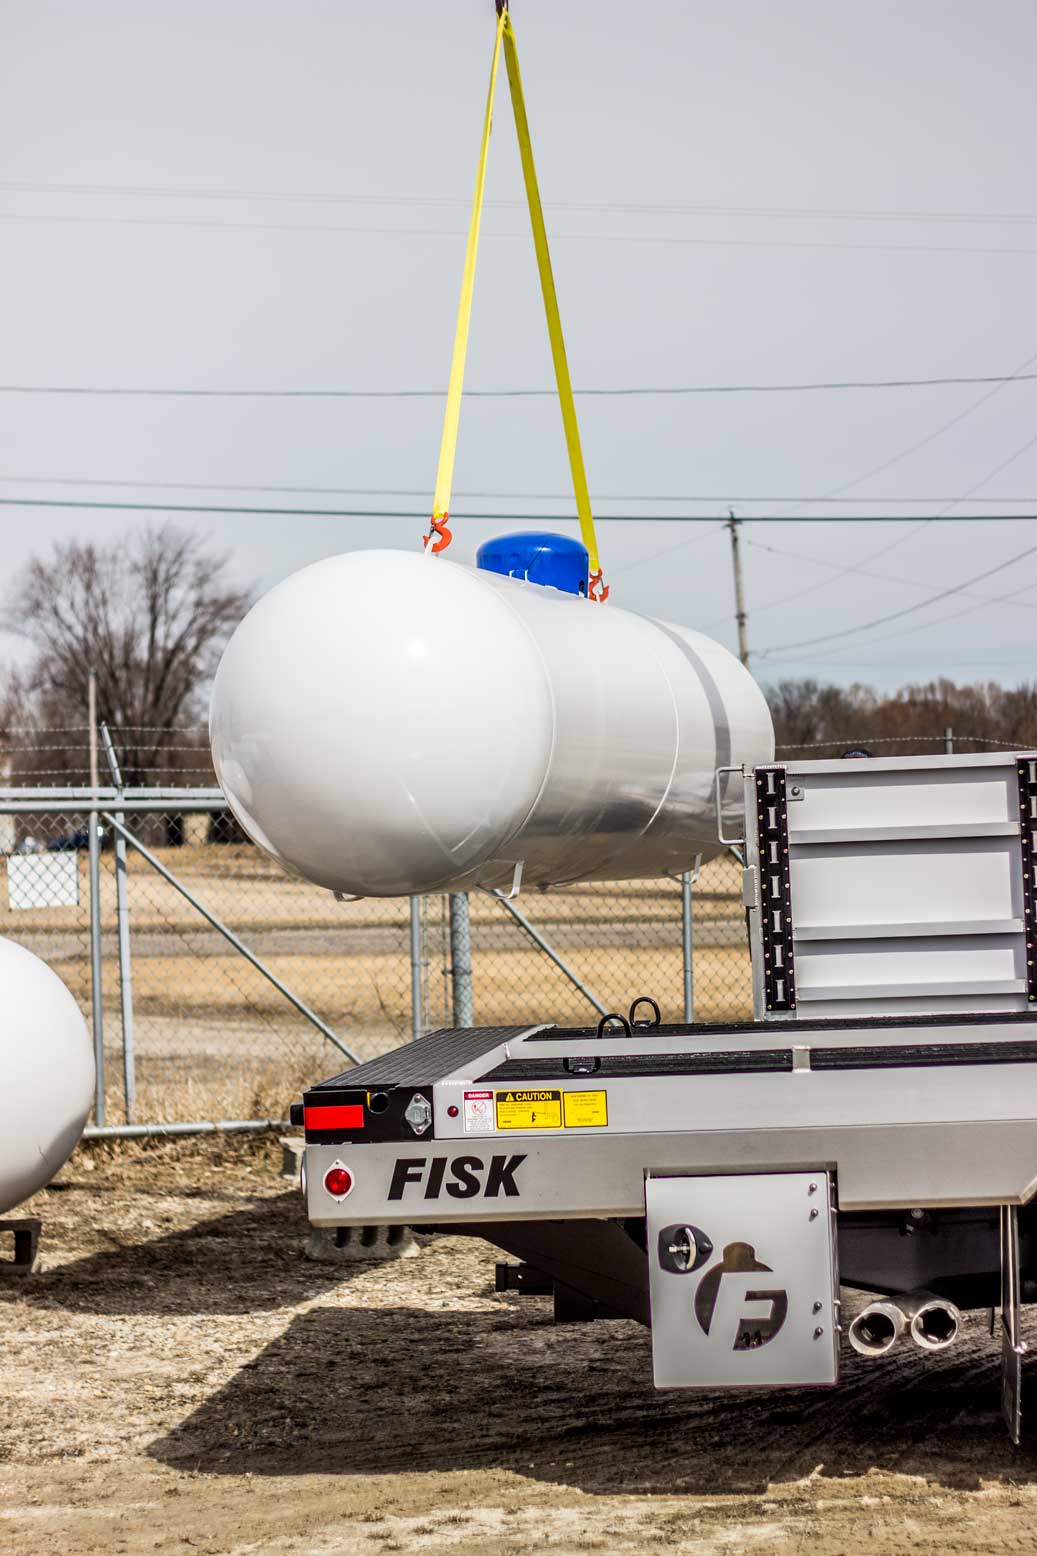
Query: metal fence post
[[687, 947], [417, 968], [461, 959], [94, 867], [96, 997], [122, 915]]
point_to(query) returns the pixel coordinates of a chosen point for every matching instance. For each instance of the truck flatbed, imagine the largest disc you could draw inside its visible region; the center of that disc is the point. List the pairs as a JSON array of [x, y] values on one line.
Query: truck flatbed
[[910, 1111], [875, 1126]]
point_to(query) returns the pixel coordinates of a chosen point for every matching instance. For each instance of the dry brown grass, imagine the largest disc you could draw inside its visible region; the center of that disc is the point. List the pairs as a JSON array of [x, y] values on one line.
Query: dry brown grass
[[245, 889], [364, 991], [225, 1091]]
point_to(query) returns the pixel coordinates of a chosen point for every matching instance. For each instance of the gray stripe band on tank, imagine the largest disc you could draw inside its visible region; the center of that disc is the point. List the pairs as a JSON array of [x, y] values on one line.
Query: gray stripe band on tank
[[717, 706]]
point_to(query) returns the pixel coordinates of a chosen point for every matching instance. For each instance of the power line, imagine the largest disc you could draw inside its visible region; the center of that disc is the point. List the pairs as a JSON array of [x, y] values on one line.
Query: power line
[[625, 391], [823, 583], [909, 610], [612, 239], [936, 662], [155, 191], [887, 464], [996, 470], [858, 570], [512, 517], [1018, 376], [924, 626], [654, 556], [872, 556], [496, 496], [966, 496]]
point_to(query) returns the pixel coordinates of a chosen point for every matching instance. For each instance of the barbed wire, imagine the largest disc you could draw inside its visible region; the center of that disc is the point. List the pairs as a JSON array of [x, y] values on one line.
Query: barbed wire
[[34, 729], [900, 740], [135, 729], [68, 745], [65, 772]]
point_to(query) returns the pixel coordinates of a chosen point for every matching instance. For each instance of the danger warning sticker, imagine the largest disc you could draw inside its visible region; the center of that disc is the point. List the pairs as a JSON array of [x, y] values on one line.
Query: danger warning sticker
[[529, 1109], [585, 1109], [478, 1113]]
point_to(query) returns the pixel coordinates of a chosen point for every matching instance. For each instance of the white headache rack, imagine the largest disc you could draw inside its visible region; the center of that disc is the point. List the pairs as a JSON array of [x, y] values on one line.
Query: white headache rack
[[893, 886]]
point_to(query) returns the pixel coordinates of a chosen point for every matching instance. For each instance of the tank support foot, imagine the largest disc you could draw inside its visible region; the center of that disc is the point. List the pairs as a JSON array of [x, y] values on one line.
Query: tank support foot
[[26, 1245]]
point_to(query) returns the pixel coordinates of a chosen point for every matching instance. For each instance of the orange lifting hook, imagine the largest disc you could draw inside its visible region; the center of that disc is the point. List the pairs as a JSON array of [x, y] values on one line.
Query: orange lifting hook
[[597, 588], [437, 526]]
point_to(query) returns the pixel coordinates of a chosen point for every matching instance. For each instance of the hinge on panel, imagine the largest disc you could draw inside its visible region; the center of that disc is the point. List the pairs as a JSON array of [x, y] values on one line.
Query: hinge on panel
[[750, 887]]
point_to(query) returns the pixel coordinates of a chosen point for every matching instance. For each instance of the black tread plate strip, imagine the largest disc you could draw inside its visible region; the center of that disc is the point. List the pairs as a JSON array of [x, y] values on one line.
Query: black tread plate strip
[[705, 1031], [426, 1060], [892, 1056], [896, 1056], [750, 1061]]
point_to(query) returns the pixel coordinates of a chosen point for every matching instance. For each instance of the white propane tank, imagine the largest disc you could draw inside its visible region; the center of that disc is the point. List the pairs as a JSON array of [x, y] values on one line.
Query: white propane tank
[[386, 723], [46, 1074]]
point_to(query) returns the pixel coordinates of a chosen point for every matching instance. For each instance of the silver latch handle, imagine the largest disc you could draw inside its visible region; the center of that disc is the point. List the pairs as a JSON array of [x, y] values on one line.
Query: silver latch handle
[[727, 841]]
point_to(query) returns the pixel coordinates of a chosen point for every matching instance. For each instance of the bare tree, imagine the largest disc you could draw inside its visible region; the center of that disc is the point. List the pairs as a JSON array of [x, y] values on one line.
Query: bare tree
[[812, 719], [149, 615]]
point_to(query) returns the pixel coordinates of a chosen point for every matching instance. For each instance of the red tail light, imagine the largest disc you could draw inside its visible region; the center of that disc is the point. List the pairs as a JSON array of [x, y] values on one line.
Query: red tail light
[[338, 1181]]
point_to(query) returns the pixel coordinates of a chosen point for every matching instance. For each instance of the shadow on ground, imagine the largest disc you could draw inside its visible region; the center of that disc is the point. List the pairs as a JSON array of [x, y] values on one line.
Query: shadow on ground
[[362, 1392], [246, 1262]]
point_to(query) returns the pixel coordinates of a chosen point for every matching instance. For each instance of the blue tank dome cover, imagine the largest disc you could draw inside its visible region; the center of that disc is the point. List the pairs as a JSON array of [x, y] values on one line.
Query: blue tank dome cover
[[538, 556]]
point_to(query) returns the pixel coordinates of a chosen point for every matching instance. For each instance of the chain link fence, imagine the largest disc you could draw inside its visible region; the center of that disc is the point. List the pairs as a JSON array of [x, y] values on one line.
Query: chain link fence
[[215, 984], [617, 940], [191, 1028]]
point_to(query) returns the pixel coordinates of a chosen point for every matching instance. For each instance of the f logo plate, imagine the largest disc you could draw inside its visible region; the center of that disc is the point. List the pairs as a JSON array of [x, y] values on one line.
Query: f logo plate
[[743, 1280]]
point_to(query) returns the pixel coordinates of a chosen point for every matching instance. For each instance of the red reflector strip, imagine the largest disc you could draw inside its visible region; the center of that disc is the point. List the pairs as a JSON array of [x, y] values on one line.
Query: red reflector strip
[[349, 1115]]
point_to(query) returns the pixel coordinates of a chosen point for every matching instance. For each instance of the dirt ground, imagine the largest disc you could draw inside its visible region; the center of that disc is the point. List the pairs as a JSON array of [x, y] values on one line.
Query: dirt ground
[[180, 1379]]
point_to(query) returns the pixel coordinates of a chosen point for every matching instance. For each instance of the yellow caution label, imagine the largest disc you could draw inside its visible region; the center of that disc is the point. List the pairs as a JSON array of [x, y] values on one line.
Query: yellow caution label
[[585, 1109], [529, 1109]]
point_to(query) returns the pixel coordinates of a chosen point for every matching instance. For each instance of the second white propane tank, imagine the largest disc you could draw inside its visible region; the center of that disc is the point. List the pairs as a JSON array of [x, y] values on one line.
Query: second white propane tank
[[46, 1074], [385, 723]]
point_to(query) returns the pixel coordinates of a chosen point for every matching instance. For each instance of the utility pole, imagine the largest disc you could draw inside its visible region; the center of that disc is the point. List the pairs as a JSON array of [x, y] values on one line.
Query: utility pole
[[740, 615]]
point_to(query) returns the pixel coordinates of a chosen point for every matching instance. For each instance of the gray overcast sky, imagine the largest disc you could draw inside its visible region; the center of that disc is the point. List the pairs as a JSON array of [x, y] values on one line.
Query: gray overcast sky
[[274, 195]]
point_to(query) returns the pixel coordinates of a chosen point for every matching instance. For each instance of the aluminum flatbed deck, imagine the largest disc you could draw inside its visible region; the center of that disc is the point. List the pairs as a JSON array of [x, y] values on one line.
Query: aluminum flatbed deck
[[908, 1111]]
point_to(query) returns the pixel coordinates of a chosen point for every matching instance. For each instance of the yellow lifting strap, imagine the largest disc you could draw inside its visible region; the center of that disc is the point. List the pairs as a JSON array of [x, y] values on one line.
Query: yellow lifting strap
[[439, 535]]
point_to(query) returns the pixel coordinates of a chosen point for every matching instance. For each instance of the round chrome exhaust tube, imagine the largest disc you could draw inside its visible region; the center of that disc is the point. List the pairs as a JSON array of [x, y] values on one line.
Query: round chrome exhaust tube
[[936, 1323], [877, 1328], [933, 1323]]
